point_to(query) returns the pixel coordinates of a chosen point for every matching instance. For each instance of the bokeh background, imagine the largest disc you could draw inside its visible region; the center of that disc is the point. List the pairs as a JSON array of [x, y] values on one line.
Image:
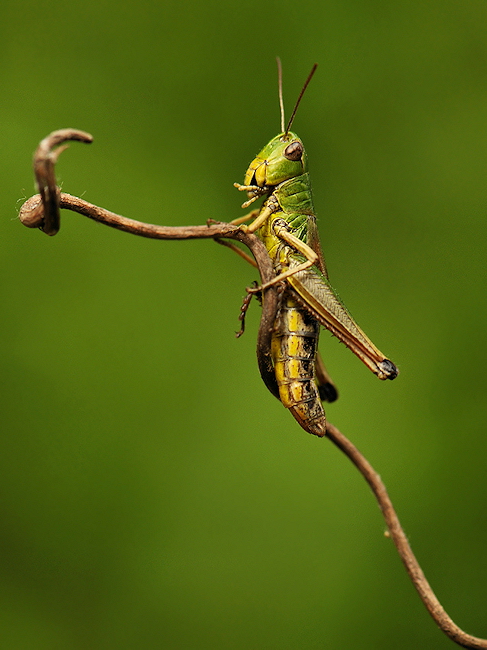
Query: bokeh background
[[153, 494]]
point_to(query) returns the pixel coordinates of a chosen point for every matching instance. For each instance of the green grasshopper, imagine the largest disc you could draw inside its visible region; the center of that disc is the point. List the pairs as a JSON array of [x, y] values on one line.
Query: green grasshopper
[[286, 224]]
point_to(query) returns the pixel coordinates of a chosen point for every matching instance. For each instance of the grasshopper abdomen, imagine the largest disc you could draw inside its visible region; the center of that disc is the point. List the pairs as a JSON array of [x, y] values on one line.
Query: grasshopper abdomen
[[294, 346]]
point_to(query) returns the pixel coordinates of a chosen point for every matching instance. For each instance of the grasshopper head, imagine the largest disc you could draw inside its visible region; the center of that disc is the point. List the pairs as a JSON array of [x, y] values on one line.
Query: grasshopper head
[[282, 158]]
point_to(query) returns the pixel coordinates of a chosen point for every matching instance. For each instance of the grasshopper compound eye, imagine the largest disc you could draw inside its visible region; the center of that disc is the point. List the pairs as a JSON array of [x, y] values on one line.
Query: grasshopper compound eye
[[294, 151]]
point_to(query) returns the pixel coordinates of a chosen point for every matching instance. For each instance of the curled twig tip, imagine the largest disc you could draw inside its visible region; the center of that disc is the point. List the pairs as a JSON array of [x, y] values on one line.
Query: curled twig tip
[[44, 214]]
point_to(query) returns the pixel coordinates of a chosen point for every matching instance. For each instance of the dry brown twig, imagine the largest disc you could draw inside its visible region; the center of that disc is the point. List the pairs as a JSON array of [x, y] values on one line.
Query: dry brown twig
[[42, 211]]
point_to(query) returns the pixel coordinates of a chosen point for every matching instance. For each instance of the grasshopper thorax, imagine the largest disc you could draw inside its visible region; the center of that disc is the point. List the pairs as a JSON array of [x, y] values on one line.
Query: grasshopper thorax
[[283, 158]]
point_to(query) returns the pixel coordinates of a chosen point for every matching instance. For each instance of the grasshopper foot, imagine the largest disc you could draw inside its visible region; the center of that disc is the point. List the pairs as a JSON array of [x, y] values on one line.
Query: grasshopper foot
[[251, 292]]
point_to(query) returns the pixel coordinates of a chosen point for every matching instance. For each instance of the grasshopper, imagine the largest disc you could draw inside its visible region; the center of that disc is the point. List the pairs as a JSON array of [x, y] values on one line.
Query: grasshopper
[[286, 223]]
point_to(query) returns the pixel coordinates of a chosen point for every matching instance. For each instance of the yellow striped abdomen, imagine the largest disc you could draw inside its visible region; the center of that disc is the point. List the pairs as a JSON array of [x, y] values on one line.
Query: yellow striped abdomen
[[294, 345]]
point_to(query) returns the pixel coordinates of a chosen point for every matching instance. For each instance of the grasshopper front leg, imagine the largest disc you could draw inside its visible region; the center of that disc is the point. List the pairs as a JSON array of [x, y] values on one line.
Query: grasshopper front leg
[[262, 215], [233, 247], [250, 215]]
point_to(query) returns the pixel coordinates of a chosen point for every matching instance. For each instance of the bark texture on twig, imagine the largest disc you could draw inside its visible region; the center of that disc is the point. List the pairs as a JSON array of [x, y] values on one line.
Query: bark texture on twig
[[400, 540], [42, 211]]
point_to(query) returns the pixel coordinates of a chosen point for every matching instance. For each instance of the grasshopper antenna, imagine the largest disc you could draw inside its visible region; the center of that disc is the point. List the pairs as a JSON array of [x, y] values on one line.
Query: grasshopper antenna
[[300, 97], [281, 102]]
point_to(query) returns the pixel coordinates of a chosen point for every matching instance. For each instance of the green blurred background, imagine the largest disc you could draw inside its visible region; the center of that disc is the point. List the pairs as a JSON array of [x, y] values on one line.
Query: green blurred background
[[153, 493]]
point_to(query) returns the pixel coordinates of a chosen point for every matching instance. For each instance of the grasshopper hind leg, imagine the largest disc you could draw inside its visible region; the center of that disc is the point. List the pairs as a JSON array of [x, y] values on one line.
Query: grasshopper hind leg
[[326, 388]]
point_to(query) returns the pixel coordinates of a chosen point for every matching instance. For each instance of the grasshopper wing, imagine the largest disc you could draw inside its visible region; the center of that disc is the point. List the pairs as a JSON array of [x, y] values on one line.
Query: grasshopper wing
[[313, 290]]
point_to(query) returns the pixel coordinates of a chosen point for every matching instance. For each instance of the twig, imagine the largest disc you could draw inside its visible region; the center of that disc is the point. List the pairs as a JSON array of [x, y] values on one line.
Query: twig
[[44, 161], [42, 211], [399, 538]]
